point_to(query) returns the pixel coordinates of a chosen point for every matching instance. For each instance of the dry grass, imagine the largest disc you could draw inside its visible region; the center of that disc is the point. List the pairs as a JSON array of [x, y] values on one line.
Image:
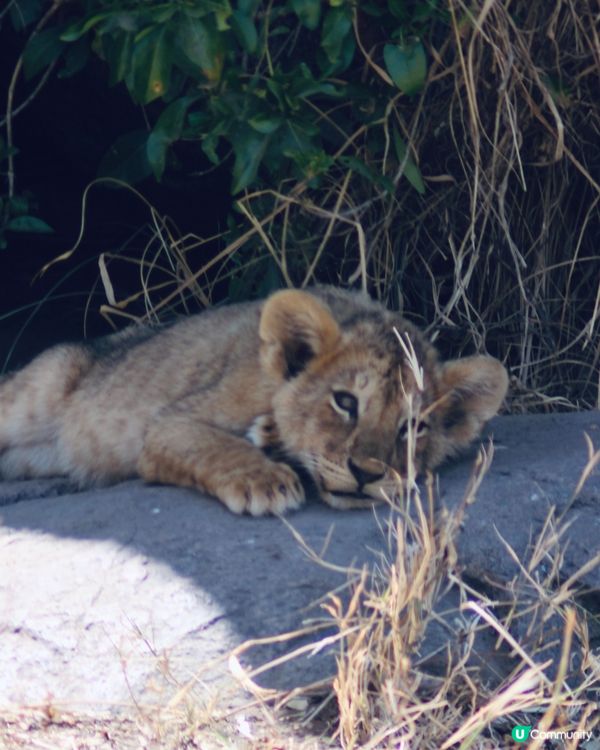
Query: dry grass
[[500, 253], [395, 689], [392, 691], [516, 652], [391, 688]]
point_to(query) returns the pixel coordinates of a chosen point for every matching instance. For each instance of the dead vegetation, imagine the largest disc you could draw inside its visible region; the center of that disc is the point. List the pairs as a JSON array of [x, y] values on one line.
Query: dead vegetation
[[483, 225], [500, 252], [393, 688], [508, 653], [514, 654]]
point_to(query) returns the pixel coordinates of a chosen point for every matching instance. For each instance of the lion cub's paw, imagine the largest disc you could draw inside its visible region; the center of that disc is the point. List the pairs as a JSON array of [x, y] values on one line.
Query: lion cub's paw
[[276, 488]]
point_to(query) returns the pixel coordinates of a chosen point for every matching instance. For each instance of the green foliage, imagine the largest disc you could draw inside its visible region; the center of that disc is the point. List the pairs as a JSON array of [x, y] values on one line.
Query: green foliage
[[411, 171], [440, 152], [274, 84], [17, 211], [407, 65]]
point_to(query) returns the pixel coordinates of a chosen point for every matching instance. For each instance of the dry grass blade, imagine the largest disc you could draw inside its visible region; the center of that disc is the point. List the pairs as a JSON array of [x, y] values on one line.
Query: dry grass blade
[[593, 461], [497, 246], [522, 694], [386, 694]]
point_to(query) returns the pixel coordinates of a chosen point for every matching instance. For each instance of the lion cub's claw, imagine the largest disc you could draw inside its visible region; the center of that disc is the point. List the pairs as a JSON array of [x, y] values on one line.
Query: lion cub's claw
[[275, 489]]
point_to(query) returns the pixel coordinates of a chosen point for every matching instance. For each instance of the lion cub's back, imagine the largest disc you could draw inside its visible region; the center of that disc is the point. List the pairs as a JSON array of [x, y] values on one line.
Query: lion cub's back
[[169, 360], [137, 373]]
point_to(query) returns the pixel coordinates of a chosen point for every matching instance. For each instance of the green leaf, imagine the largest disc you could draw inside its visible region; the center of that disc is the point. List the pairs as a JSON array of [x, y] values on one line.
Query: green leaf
[[305, 85], [76, 57], [427, 11], [249, 148], [25, 12], [117, 49], [19, 205], [313, 164], [29, 224], [281, 30], [336, 26], [222, 15], [127, 158], [200, 45], [245, 30], [248, 7], [298, 139], [151, 62], [398, 9], [351, 162], [199, 123], [407, 66], [308, 11], [270, 280], [411, 171], [41, 51], [276, 89], [559, 92], [310, 89], [265, 124], [162, 13], [167, 130], [209, 147], [78, 29]]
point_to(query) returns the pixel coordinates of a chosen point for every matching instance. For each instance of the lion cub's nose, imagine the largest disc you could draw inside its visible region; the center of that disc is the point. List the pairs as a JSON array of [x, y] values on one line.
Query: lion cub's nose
[[368, 471]]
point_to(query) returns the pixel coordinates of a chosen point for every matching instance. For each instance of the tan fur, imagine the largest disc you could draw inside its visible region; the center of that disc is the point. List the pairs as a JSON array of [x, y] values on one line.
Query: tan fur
[[315, 378]]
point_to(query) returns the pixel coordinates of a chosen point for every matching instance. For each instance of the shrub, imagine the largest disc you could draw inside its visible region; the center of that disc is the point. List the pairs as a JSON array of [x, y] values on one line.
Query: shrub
[[439, 153]]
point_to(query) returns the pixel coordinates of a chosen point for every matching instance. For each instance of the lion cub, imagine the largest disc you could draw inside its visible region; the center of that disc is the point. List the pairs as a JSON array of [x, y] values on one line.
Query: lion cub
[[320, 375]]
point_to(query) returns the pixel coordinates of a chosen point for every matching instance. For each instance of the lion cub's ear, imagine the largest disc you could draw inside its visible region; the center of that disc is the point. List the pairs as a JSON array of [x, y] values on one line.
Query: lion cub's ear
[[294, 328], [472, 390]]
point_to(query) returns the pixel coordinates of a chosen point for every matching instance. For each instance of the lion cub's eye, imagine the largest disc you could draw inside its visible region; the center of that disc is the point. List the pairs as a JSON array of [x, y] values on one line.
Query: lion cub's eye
[[345, 403], [419, 428]]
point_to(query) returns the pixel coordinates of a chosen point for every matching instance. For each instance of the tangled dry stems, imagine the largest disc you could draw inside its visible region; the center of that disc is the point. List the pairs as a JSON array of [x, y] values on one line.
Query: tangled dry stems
[[389, 688], [393, 691], [394, 688], [499, 253]]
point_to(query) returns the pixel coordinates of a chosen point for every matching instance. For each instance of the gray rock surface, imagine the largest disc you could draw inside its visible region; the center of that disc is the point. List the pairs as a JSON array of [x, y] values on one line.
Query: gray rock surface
[[101, 590]]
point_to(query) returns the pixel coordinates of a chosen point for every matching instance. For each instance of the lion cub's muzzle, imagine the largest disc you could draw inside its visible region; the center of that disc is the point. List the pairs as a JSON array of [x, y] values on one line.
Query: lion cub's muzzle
[[366, 473]]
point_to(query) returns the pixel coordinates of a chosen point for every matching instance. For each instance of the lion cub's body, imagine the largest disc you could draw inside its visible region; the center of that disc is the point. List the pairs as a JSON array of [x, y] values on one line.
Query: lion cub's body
[[321, 376]]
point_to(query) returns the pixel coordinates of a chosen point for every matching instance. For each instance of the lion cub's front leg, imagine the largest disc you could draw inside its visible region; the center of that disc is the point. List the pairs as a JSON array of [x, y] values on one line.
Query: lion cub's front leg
[[179, 450]]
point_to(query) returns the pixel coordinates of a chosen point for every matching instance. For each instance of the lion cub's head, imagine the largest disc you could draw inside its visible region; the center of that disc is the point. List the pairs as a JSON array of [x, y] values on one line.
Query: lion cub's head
[[354, 394]]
